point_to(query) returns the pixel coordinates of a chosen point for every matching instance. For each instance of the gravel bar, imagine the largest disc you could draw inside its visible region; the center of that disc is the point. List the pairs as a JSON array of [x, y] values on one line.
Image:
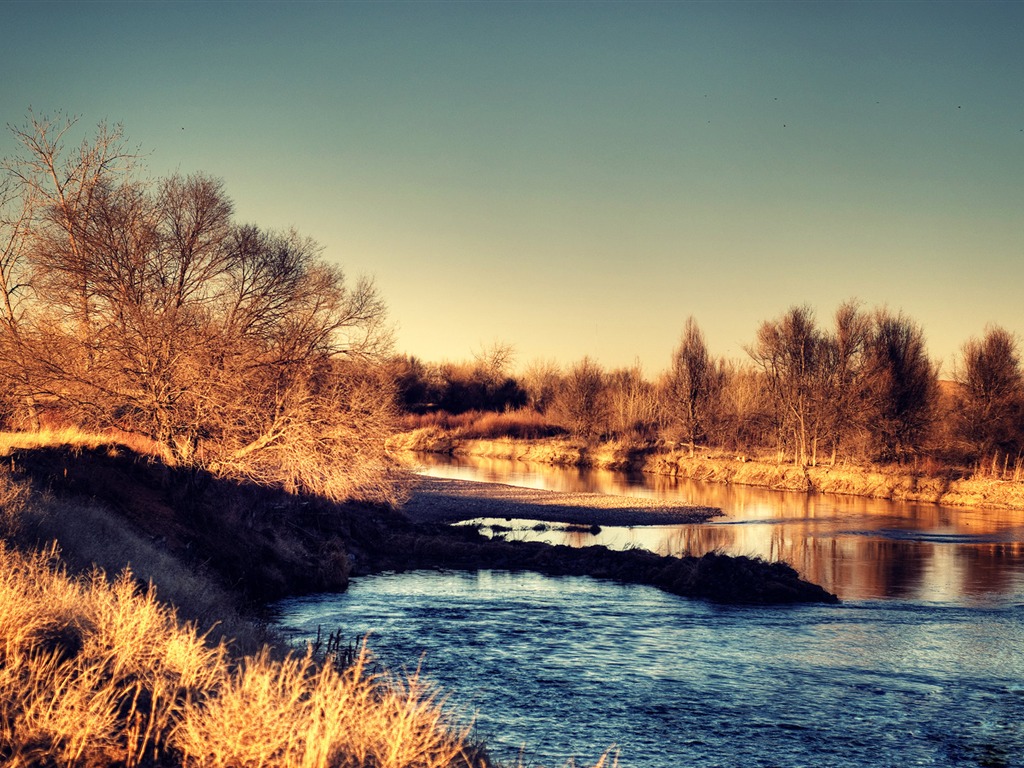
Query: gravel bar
[[437, 500]]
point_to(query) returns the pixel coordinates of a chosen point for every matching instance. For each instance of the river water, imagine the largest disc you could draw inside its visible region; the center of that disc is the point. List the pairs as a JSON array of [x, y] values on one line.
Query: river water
[[921, 664]]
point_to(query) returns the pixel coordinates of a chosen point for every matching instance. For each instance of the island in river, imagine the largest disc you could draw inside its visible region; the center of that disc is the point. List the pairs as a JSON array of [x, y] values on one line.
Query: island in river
[[430, 542]]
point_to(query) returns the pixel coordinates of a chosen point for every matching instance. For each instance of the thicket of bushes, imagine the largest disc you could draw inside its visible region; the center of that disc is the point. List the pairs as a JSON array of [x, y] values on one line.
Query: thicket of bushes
[[863, 391], [140, 306]]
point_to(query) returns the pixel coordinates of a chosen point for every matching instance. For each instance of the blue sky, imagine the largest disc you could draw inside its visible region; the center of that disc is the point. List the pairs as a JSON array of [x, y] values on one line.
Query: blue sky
[[578, 178]]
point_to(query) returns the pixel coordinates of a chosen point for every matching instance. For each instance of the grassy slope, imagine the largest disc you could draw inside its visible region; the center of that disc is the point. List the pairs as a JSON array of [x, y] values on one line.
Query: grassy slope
[[97, 671], [94, 673]]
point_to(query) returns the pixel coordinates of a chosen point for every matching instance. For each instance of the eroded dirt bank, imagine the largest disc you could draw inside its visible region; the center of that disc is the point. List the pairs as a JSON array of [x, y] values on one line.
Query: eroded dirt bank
[[264, 544]]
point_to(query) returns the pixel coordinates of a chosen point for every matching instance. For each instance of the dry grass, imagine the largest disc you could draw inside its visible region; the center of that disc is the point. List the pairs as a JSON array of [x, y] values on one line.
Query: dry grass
[[89, 535], [94, 673], [53, 436], [524, 424]]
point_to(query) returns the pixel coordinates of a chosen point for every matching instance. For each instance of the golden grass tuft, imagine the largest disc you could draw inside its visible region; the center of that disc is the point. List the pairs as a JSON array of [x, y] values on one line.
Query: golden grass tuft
[[96, 673], [90, 535], [49, 437]]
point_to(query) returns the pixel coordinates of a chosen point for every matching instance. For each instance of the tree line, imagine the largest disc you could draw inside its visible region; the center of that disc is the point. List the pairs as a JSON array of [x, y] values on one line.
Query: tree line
[[141, 305], [860, 390]]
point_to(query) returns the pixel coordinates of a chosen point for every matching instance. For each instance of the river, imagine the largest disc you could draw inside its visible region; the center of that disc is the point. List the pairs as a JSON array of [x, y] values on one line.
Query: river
[[921, 664]]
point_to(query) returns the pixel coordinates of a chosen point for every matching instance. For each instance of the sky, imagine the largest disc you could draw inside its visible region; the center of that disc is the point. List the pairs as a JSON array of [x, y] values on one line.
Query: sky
[[577, 178]]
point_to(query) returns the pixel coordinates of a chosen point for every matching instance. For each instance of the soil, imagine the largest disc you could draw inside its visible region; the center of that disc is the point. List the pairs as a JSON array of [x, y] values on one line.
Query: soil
[[438, 500]]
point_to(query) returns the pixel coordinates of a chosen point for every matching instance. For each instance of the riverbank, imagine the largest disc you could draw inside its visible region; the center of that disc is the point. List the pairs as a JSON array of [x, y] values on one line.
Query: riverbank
[[890, 483], [260, 544], [95, 659], [436, 500], [130, 636]]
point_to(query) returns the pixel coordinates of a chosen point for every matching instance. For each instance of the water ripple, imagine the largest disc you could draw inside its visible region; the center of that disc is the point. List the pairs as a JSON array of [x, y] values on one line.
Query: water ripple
[[571, 666]]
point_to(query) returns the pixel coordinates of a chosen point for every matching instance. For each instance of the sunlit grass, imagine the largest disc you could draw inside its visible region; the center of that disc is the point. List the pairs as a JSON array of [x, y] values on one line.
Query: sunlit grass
[[50, 437], [95, 672], [525, 424], [100, 673]]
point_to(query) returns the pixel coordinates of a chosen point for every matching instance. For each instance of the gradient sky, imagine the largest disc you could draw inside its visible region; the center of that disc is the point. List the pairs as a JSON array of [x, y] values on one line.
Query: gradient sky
[[578, 178]]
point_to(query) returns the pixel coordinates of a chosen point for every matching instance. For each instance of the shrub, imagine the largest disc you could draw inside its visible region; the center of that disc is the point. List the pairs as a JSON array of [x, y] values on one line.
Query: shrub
[[99, 673]]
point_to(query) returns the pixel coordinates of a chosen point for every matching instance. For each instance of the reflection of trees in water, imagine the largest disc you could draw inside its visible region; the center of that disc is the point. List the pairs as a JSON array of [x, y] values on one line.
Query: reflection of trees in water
[[843, 565], [897, 566], [815, 533], [858, 566], [990, 568]]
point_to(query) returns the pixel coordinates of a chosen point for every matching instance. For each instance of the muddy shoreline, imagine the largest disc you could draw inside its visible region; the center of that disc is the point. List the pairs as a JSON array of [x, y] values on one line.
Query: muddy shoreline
[[437, 500]]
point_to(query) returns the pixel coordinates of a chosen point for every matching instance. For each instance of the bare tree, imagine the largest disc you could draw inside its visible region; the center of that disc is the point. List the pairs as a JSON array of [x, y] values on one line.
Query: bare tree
[[842, 377], [17, 210], [582, 403], [901, 386], [790, 352], [491, 373], [744, 416], [224, 344], [65, 183], [632, 403], [493, 361], [693, 386], [989, 413], [540, 380]]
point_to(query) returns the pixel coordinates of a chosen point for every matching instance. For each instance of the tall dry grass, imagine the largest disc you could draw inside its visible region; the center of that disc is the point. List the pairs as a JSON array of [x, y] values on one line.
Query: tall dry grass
[[52, 436], [94, 673], [523, 424], [90, 535]]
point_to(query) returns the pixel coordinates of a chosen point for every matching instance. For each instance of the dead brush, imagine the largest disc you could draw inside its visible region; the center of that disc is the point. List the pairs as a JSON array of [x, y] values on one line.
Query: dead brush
[[97, 673], [333, 649], [297, 714], [102, 670], [523, 424], [14, 497]]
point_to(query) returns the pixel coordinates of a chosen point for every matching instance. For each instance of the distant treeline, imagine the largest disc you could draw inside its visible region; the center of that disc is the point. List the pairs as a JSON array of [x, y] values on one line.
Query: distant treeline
[[862, 390]]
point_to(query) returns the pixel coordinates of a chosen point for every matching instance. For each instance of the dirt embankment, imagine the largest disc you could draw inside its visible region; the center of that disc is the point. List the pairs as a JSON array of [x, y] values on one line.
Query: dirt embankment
[[263, 544], [895, 484]]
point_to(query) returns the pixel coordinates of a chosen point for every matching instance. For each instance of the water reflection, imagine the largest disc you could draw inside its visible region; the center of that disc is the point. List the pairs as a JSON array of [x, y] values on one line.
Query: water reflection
[[856, 547]]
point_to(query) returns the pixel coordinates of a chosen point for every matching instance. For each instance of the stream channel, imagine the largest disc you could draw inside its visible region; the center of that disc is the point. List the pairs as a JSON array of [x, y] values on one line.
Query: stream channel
[[921, 664]]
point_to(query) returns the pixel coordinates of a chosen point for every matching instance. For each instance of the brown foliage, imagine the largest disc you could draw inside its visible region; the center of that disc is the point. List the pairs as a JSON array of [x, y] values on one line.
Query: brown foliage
[[582, 402], [988, 412], [139, 305]]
